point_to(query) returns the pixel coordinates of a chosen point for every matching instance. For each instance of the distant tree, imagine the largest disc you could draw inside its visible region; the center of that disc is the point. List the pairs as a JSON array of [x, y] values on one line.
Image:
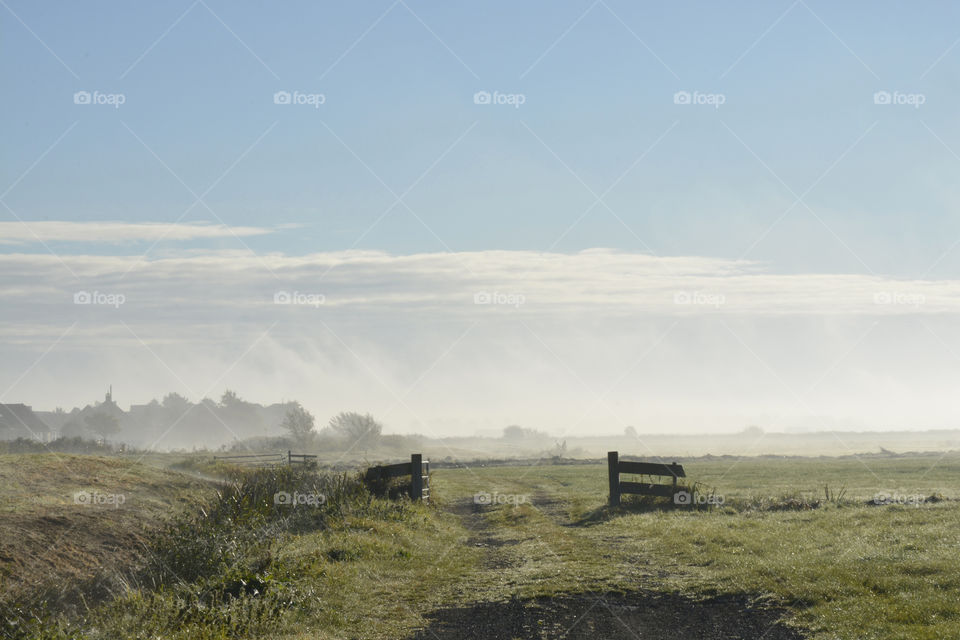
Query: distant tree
[[73, 428], [513, 432], [360, 429], [176, 403], [102, 424], [753, 431], [516, 432], [229, 398], [299, 424], [630, 432]]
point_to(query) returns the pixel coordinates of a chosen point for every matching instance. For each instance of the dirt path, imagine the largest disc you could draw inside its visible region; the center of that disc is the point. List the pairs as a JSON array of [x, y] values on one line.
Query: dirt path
[[608, 616], [482, 535], [639, 614]]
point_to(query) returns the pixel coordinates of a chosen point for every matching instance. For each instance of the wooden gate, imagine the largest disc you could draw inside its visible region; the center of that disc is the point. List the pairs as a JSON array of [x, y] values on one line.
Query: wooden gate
[[418, 469], [615, 467]]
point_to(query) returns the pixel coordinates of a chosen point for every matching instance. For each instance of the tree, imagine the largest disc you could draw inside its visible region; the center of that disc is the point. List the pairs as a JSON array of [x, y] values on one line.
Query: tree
[[630, 432], [230, 399], [752, 431], [362, 430], [73, 428], [516, 432], [299, 423], [102, 424], [176, 403]]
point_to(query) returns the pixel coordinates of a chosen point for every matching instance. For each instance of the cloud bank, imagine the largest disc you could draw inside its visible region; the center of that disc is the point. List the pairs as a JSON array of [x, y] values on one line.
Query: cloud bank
[[457, 343]]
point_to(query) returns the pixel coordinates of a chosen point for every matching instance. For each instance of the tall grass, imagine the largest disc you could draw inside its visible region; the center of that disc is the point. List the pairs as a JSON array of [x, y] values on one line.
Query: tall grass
[[211, 573]]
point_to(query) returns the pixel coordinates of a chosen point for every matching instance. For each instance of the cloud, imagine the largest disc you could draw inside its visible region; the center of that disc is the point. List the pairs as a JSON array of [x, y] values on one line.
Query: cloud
[[468, 283], [106, 232], [588, 341]]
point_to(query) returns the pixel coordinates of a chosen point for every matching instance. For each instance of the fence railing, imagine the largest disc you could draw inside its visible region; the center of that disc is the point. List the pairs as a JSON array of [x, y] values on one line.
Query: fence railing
[[615, 467], [418, 469], [268, 459], [300, 458]]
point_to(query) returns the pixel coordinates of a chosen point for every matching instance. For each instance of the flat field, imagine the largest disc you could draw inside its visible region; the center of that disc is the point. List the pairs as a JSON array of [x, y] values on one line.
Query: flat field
[[789, 548]]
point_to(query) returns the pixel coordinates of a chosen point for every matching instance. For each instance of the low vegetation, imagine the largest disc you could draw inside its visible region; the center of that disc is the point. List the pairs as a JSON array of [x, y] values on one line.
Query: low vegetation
[[820, 548], [267, 553]]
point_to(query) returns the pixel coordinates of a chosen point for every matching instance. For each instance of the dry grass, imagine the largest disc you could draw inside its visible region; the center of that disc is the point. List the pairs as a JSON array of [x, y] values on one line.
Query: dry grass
[[48, 539]]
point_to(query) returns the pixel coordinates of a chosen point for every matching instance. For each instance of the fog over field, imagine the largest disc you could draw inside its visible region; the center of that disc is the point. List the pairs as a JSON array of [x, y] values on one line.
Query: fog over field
[[464, 343]]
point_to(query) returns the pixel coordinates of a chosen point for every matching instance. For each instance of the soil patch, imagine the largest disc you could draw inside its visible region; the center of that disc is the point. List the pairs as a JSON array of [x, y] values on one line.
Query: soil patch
[[651, 616]]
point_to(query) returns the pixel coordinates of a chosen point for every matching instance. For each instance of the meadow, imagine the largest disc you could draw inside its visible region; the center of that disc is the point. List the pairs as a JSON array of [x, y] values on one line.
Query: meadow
[[788, 548]]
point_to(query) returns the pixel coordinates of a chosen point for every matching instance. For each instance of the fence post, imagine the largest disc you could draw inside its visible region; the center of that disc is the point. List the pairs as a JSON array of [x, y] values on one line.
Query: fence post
[[289, 458], [613, 471], [416, 476]]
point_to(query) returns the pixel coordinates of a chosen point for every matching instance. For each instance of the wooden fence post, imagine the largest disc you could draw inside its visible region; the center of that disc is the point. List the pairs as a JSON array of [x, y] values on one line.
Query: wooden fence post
[[613, 471], [416, 476], [289, 458]]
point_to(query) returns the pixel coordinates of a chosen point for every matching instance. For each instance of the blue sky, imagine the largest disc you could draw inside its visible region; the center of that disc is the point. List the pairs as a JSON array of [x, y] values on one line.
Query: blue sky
[[799, 173], [798, 81]]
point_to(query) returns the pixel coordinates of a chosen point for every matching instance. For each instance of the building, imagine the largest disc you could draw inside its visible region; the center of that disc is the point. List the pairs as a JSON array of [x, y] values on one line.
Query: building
[[19, 421]]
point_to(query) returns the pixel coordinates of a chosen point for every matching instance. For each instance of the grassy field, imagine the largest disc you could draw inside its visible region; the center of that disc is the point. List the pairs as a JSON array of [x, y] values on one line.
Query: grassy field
[[844, 569], [794, 550]]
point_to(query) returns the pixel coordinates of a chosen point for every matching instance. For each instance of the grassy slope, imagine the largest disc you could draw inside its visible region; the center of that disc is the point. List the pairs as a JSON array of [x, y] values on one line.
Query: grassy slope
[[46, 538], [849, 571], [373, 574]]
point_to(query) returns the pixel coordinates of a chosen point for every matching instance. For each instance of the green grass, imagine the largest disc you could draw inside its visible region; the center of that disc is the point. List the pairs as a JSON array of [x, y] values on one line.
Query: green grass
[[846, 569], [366, 567], [241, 565]]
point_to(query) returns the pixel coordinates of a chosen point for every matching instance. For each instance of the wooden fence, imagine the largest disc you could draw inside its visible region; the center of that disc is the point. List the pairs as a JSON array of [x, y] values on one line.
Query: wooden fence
[[268, 459], [615, 467], [418, 469]]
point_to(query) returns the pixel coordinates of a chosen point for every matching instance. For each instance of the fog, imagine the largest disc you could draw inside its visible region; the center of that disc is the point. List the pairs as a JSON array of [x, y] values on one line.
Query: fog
[[463, 344]]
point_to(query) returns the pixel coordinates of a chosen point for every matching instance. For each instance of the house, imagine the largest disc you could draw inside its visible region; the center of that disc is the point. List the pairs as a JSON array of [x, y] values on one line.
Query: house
[[19, 421]]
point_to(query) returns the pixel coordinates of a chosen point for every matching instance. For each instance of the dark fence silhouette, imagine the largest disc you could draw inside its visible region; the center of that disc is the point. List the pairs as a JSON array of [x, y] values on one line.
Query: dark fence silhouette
[[418, 469], [615, 467]]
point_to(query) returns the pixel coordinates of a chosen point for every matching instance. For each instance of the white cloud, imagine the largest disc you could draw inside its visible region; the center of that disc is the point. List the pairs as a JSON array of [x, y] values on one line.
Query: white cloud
[[587, 282], [602, 338], [107, 232]]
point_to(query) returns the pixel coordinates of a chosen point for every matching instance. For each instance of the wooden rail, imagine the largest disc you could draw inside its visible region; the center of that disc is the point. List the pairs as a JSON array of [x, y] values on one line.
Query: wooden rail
[[418, 469], [268, 459], [615, 467], [300, 458]]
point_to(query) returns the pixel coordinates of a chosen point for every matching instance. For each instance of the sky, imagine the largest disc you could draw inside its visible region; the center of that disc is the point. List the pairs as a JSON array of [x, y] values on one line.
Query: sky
[[572, 216]]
